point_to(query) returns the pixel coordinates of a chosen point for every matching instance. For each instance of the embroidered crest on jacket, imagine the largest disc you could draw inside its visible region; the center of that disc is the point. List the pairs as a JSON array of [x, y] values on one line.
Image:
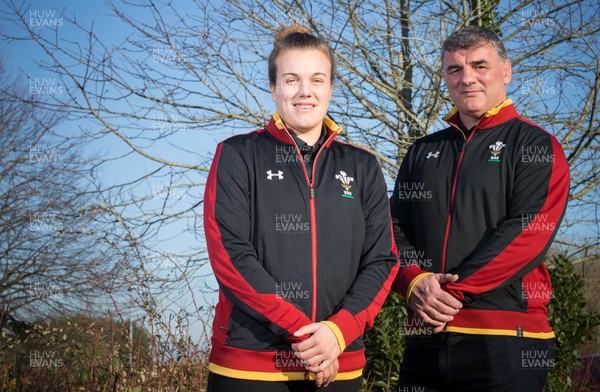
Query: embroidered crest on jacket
[[495, 153], [346, 180]]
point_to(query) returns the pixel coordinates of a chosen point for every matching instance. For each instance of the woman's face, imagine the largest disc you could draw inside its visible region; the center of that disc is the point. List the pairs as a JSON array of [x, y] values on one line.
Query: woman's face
[[303, 89]]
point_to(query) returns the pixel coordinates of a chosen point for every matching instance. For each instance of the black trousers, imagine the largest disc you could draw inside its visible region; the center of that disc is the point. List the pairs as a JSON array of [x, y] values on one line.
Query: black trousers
[[475, 363], [218, 383]]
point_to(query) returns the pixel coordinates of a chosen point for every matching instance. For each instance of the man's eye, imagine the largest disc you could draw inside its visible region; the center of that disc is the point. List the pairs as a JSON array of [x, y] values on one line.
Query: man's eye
[[291, 80]]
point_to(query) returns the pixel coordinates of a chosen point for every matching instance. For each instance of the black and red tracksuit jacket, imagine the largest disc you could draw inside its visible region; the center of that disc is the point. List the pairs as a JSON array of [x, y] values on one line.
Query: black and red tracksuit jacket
[[288, 251], [486, 207]]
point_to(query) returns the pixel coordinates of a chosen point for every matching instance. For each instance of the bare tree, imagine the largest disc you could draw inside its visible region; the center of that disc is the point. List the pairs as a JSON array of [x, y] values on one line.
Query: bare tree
[[54, 257], [186, 76]]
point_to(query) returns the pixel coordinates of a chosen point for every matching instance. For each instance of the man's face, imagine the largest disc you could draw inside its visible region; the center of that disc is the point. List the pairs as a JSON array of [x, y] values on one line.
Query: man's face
[[476, 80], [303, 89]]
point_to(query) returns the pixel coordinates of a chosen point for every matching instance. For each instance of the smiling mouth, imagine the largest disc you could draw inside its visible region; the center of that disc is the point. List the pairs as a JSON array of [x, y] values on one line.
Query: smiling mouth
[[303, 106]]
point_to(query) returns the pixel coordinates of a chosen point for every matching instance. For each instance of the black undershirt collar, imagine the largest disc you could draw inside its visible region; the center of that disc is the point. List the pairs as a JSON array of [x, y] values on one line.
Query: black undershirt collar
[[310, 152], [462, 127]]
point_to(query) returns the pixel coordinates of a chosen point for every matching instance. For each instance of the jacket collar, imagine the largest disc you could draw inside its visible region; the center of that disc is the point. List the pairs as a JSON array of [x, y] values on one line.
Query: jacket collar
[[502, 113], [277, 129]]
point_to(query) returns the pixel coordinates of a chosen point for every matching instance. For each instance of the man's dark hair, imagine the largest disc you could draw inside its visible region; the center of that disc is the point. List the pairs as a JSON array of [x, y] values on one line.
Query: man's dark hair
[[471, 37]]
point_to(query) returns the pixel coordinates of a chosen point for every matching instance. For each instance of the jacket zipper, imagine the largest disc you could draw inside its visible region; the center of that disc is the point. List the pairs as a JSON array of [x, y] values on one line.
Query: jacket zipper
[[313, 222], [453, 195]]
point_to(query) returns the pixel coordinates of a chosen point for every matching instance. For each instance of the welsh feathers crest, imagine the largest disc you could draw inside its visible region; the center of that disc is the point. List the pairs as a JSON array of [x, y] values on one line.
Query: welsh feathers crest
[[496, 149], [346, 180]]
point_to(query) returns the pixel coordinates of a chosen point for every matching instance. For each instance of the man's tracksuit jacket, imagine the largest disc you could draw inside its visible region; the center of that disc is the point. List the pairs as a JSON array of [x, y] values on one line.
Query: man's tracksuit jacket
[[485, 206], [289, 249]]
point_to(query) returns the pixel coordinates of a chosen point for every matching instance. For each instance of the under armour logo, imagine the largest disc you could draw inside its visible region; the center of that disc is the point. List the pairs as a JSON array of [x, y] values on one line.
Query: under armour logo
[[270, 175], [433, 155]]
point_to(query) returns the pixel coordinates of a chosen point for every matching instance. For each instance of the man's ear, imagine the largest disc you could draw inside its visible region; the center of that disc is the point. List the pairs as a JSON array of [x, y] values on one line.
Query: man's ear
[[507, 72]]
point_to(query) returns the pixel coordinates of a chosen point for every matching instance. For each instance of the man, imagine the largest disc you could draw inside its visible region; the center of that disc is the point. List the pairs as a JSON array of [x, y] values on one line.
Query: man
[[475, 209]]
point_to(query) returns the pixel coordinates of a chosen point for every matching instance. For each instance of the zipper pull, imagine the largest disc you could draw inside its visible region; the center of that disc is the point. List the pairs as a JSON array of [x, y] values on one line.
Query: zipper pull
[[462, 146], [312, 191]]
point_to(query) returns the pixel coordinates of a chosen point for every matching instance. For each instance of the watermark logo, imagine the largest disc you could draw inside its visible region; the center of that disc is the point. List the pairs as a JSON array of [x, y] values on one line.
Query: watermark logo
[[287, 155], [346, 184], [45, 86], [290, 15], [291, 291], [168, 123], [282, 86], [537, 224], [291, 85], [538, 86], [415, 327], [44, 222], [301, 15], [537, 155], [537, 360], [411, 389], [44, 359], [415, 257], [286, 361], [164, 190], [536, 18], [291, 224], [44, 154], [413, 191], [45, 19], [166, 55], [537, 292], [44, 290]]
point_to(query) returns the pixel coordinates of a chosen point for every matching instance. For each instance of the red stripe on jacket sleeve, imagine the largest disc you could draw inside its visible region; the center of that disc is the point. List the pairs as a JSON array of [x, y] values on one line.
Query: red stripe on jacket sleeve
[[405, 277], [353, 327], [268, 306], [529, 243]]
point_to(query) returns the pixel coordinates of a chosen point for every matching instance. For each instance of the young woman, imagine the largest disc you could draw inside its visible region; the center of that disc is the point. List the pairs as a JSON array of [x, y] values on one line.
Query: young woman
[[299, 238]]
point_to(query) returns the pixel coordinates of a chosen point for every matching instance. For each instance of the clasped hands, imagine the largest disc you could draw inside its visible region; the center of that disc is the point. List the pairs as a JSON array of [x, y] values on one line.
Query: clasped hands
[[319, 352], [431, 304]]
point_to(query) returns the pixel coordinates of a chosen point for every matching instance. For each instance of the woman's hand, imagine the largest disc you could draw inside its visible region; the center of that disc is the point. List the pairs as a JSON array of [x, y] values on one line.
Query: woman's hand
[[320, 350], [326, 377]]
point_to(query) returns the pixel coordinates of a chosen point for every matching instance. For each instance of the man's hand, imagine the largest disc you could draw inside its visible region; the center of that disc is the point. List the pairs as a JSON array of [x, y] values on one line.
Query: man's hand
[[327, 376], [320, 350], [432, 304]]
